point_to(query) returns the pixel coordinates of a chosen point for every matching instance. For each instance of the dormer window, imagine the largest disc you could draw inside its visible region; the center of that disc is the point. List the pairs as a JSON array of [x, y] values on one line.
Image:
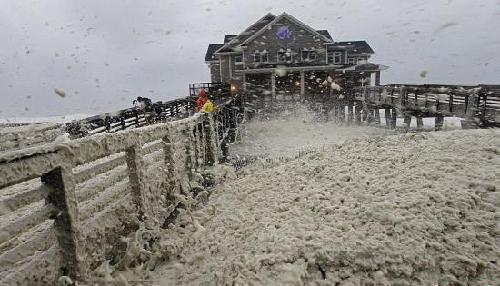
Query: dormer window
[[285, 55], [260, 57], [238, 60], [264, 57], [335, 58], [308, 55], [256, 57]]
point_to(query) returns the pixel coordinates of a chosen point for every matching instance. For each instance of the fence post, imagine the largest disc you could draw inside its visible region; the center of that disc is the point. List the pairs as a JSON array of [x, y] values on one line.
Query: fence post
[[62, 196], [407, 120], [420, 122], [210, 139], [135, 166], [438, 122], [394, 118], [376, 113], [387, 115]]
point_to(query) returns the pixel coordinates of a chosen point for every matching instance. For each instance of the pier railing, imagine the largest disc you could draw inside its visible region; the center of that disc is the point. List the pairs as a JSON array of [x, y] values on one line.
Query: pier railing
[[64, 208]]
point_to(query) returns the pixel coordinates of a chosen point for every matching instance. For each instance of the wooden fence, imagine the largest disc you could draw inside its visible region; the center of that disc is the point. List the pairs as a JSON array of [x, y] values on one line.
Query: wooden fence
[[64, 207], [23, 136], [133, 117]]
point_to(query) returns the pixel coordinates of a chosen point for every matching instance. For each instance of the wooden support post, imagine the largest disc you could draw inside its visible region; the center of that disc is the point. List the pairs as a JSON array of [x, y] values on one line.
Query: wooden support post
[[394, 118], [407, 120], [135, 165], [350, 113], [273, 85], [211, 140], [387, 115], [377, 78], [420, 122], [357, 112], [107, 122], [439, 121], [302, 85], [376, 113], [67, 225], [370, 114], [340, 113], [244, 82], [471, 108]]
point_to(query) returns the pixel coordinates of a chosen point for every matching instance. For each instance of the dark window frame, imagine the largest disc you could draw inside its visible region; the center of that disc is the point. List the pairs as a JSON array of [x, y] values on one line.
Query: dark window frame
[[238, 62], [282, 56], [256, 57]]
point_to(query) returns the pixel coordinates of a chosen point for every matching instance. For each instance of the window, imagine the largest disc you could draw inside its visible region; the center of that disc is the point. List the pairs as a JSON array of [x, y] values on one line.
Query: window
[[361, 60], [264, 57], [305, 55], [329, 58], [335, 58], [260, 57], [238, 60], [312, 55], [284, 56], [351, 60], [308, 55], [256, 57]]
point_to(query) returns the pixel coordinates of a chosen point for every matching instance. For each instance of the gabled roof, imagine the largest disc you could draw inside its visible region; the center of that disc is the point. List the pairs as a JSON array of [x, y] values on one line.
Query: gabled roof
[[236, 41], [292, 19], [325, 33], [352, 47], [228, 38], [209, 56]]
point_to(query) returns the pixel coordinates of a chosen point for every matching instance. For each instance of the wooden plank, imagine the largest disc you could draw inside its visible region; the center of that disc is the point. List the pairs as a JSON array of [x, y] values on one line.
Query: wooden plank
[[12, 228], [103, 199], [39, 240], [29, 269], [99, 168], [22, 167], [22, 199], [92, 187], [151, 147]]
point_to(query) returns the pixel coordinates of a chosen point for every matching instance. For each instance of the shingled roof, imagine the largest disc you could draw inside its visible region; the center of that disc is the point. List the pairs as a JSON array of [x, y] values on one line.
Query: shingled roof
[[209, 56], [228, 38], [352, 47], [247, 33], [233, 42], [325, 33]]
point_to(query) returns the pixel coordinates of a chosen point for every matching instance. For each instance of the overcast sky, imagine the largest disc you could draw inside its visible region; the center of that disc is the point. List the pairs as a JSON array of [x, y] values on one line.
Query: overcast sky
[[103, 54]]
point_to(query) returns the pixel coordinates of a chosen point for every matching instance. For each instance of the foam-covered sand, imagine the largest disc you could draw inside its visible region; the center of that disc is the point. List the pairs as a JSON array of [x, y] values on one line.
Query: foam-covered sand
[[412, 209], [289, 134]]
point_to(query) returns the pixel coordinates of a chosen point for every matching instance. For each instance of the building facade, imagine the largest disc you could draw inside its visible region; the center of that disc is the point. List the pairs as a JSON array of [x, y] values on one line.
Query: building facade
[[282, 55]]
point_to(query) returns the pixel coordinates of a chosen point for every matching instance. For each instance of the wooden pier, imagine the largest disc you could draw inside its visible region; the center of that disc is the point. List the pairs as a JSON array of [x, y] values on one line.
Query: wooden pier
[[477, 105]]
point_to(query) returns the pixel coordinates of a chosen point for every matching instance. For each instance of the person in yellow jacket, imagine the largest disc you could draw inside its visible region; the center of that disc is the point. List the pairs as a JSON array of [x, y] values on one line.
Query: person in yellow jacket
[[209, 106]]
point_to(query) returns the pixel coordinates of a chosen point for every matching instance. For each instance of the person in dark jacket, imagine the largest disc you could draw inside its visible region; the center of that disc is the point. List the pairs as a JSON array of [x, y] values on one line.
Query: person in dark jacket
[[142, 102]]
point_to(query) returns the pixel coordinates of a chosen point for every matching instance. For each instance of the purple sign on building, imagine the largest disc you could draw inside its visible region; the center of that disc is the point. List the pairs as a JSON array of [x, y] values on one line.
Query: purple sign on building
[[284, 33]]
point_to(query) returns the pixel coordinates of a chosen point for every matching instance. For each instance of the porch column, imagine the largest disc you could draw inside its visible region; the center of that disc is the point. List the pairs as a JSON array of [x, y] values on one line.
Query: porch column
[[377, 78], [302, 84], [244, 79], [273, 84]]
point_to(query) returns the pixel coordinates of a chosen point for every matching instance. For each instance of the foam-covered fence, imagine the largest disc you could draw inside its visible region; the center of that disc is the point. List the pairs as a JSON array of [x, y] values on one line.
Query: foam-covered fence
[[23, 136], [65, 207]]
